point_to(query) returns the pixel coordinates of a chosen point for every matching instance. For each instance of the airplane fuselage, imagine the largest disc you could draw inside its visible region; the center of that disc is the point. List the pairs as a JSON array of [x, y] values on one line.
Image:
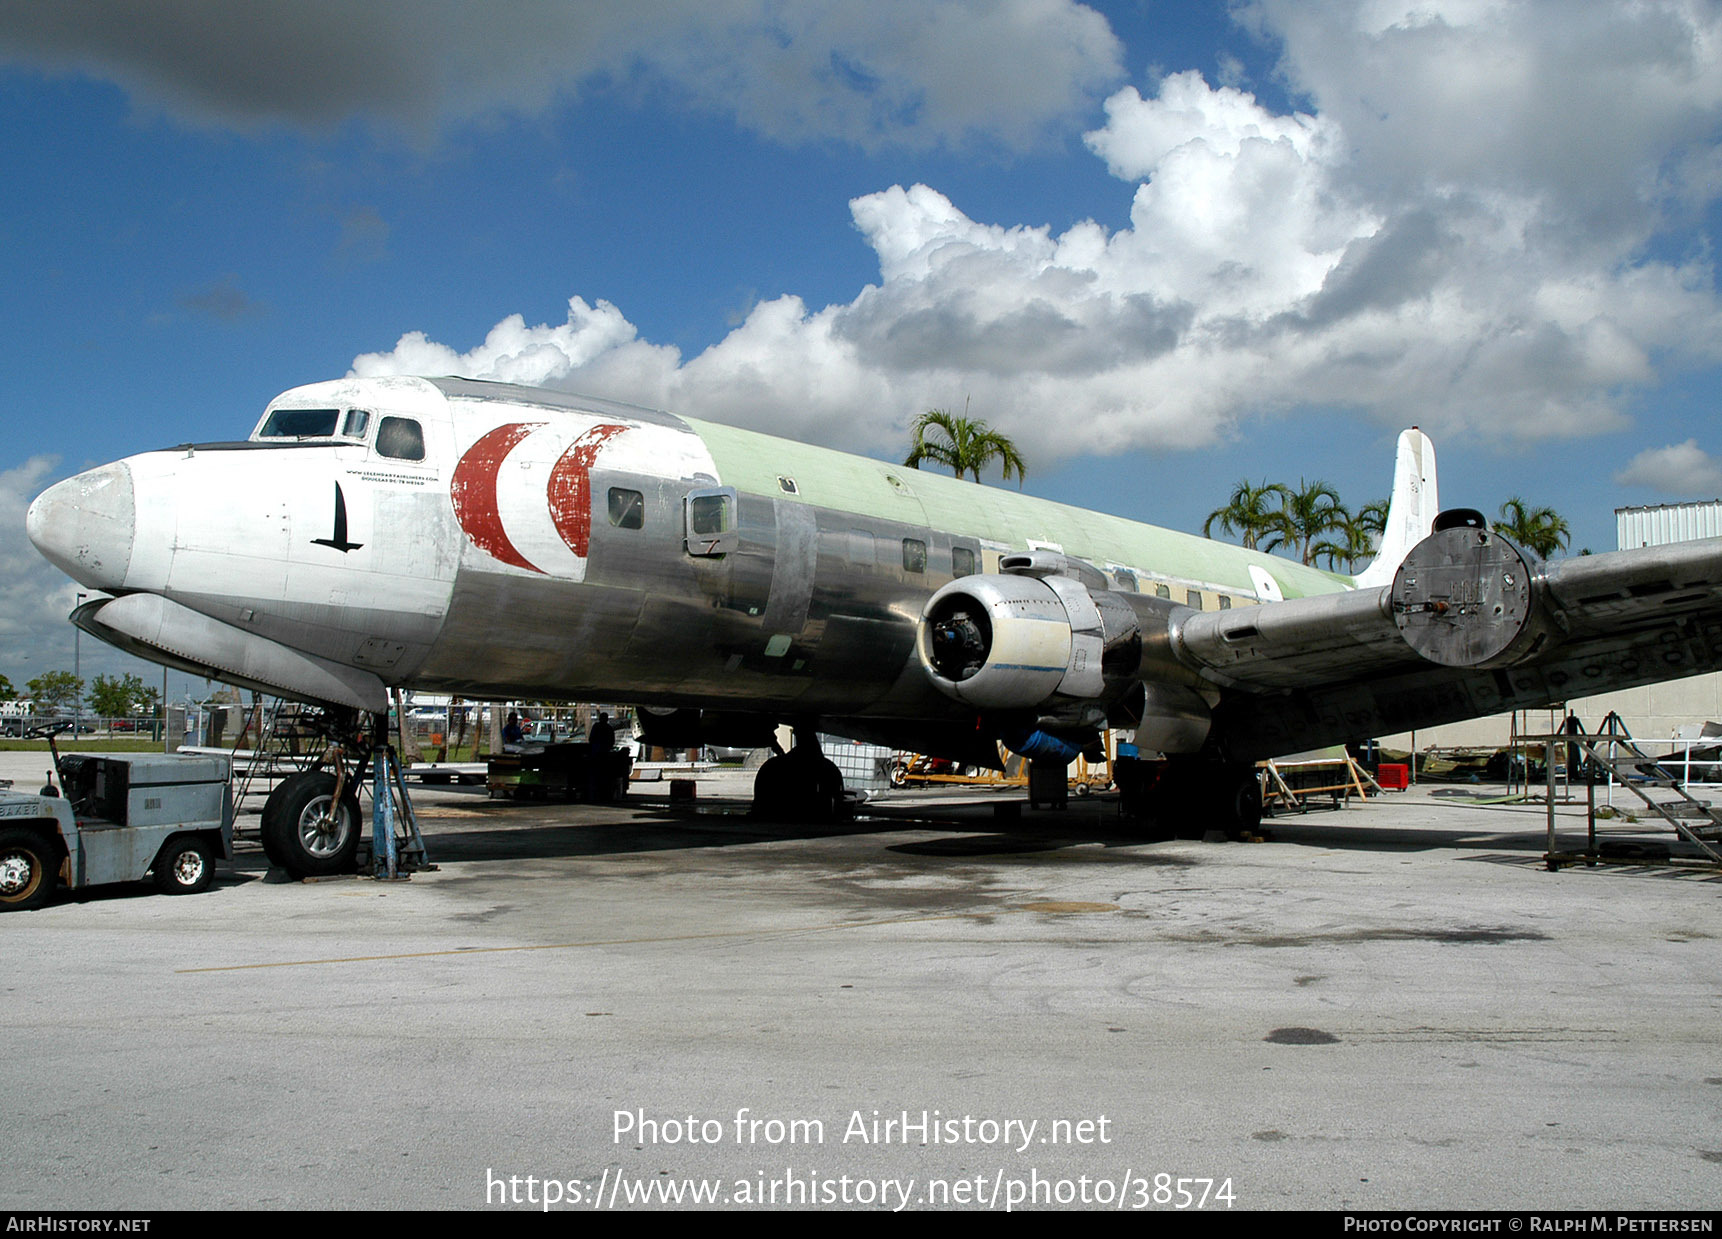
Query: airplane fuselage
[[501, 542], [495, 541]]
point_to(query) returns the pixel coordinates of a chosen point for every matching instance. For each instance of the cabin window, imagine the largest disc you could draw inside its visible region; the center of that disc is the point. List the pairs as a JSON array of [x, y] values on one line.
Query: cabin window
[[1163, 591], [1225, 602], [962, 561], [711, 527], [1126, 579], [1194, 597], [914, 555], [708, 515], [300, 424], [401, 438], [627, 508]]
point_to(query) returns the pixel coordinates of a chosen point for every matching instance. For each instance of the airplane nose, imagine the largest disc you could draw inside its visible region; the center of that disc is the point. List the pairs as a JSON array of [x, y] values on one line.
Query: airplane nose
[[85, 525]]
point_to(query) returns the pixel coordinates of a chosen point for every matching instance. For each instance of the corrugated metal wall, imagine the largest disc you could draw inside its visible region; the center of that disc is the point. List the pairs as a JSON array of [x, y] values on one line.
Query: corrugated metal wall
[[1667, 522]]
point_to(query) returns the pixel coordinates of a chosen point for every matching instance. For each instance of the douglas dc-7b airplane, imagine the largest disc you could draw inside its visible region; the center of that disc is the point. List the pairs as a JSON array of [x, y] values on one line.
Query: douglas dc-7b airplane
[[503, 542]]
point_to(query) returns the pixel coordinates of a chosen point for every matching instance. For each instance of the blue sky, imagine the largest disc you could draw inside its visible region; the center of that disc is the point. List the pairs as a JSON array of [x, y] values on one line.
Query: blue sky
[[1165, 246]]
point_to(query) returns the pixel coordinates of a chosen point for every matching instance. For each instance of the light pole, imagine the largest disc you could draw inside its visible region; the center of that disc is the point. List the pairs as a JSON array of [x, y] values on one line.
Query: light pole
[[77, 673]]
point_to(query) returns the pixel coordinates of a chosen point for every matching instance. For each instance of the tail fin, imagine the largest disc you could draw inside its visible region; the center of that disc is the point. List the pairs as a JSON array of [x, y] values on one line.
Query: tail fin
[[1410, 512]]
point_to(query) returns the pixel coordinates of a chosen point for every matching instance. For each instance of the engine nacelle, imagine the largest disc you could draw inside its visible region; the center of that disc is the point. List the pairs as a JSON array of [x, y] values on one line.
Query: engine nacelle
[[1467, 597], [1012, 642]]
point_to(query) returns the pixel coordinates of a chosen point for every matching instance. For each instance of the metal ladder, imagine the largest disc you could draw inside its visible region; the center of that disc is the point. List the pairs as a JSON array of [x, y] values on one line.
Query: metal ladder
[[1612, 748], [276, 745]]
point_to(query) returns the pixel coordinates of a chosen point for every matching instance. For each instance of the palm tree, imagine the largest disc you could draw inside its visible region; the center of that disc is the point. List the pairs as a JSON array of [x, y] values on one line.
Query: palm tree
[[1371, 518], [1360, 538], [967, 446], [1342, 553], [1305, 514], [1542, 531], [1252, 511]]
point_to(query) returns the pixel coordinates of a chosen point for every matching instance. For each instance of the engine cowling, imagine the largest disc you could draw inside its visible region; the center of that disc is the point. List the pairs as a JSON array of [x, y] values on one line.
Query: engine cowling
[[1012, 641], [1467, 597]]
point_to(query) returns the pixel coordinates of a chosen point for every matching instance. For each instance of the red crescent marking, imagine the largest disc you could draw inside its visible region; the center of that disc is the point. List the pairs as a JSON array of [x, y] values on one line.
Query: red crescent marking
[[473, 492], [569, 491]]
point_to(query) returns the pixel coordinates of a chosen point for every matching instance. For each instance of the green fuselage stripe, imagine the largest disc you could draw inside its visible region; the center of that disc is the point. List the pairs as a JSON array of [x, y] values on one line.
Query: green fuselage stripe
[[824, 478]]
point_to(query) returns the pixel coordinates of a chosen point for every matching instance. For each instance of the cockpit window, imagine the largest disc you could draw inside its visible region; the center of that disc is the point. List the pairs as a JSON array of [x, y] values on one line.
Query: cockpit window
[[300, 424], [400, 438]]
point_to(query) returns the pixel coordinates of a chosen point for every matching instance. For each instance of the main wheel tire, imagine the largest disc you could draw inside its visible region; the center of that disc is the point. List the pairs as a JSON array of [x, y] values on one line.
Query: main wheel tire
[[1182, 802], [185, 867], [791, 788], [29, 867], [1246, 804], [827, 791], [305, 832], [774, 789]]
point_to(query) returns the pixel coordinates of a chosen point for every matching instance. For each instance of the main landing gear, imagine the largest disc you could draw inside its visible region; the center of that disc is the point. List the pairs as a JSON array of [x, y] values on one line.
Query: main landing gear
[[1186, 797], [800, 785]]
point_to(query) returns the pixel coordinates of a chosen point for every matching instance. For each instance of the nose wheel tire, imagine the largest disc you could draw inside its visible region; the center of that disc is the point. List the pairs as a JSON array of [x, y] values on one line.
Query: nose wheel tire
[[306, 832]]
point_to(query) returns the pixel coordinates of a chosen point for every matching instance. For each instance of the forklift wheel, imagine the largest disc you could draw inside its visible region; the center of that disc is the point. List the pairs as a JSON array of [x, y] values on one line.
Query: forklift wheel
[[28, 867], [185, 867]]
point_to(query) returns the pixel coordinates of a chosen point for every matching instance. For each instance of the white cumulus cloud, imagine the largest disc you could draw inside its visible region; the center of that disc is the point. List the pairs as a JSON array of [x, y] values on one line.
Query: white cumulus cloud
[[1593, 112], [1680, 471], [37, 596], [1455, 233]]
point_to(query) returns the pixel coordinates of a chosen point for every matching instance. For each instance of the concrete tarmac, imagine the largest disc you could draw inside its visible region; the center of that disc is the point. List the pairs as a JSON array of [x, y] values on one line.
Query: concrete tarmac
[[1391, 1006]]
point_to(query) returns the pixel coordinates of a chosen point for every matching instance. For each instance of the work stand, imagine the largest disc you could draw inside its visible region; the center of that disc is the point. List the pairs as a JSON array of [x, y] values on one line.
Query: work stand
[[397, 846], [1612, 751]]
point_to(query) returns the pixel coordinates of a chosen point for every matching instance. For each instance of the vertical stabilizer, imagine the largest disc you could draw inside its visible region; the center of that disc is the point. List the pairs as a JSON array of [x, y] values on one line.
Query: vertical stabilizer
[[1410, 512]]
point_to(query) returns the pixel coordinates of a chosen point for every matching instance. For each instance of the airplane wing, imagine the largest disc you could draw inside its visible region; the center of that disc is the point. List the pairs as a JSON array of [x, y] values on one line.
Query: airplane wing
[[1470, 626]]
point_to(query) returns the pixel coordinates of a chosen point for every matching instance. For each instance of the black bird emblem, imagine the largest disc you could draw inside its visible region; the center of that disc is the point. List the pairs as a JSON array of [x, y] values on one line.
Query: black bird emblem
[[338, 538]]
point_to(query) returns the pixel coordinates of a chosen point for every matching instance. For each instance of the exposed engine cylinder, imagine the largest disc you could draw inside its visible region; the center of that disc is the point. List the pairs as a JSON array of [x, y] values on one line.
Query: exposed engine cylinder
[[1010, 642], [1467, 597]]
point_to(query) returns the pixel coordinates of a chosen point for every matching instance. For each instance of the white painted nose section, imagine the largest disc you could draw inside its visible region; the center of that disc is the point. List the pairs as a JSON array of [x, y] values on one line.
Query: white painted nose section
[[86, 525]]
